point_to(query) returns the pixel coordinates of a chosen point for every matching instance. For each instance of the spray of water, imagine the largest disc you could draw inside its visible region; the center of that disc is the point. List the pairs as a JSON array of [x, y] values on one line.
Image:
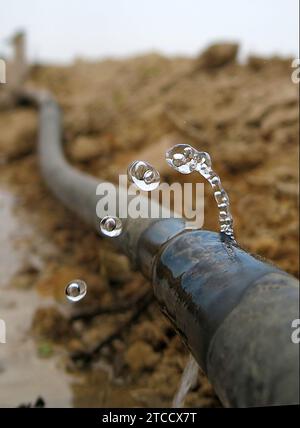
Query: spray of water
[[187, 382], [185, 159]]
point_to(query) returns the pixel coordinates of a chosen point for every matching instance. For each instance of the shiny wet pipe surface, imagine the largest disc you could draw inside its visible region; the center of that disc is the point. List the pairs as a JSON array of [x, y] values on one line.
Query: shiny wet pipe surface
[[234, 312]]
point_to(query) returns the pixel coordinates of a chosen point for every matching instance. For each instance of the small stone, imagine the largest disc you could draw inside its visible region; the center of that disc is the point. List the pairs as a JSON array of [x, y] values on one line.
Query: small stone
[[217, 55]]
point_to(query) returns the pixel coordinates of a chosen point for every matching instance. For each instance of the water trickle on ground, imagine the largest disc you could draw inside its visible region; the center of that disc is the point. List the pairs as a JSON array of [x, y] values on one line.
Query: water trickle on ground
[[8, 227], [23, 376], [188, 380]]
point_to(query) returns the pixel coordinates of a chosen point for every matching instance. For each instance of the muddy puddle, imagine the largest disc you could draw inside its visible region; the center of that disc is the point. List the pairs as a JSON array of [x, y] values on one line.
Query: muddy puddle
[[24, 375]]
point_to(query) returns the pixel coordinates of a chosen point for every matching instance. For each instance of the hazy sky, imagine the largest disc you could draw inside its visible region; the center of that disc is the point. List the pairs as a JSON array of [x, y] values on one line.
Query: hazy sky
[[59, 30]]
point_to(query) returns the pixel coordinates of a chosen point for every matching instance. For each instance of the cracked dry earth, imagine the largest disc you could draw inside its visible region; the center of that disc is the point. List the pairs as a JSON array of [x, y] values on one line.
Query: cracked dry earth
[[245, 116]]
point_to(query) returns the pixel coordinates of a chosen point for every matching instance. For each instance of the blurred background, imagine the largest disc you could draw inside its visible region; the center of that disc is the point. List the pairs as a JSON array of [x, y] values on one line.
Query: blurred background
[[60, 32], [134, 78]]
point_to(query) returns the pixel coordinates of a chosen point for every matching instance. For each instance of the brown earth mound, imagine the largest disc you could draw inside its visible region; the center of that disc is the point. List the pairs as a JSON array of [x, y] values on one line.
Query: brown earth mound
[[245, 116]]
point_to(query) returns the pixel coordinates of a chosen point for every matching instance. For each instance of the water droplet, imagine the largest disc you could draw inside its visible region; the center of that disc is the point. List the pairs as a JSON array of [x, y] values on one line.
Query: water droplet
[[221, 198], [111, 226], [183, 158], [76, 290], [205, 159], [186, 159], [143, 175]]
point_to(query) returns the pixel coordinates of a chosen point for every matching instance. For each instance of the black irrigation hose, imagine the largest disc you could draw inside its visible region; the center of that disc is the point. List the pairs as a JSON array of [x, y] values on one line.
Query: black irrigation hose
[[233, 310]]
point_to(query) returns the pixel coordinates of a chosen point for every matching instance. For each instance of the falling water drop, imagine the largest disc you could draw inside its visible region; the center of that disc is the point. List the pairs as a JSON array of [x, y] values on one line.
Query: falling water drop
[[111, 226], [143, 175], [76, 290]]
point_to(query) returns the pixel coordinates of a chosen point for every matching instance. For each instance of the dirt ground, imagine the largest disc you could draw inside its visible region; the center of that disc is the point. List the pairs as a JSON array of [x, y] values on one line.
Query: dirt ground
[[115, 111]]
